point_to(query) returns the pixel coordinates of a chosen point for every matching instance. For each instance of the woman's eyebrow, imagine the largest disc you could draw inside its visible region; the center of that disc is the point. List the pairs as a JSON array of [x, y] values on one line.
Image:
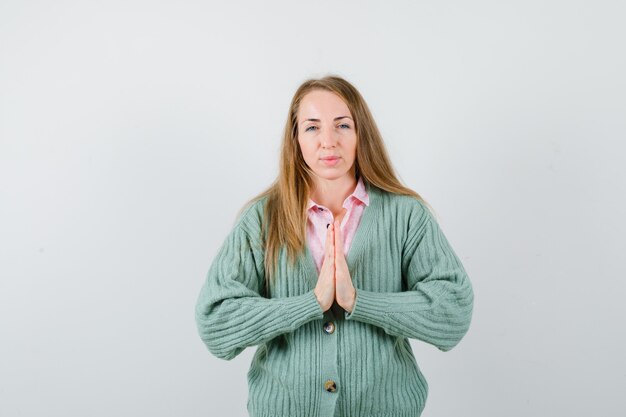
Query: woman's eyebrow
[[336, 118]]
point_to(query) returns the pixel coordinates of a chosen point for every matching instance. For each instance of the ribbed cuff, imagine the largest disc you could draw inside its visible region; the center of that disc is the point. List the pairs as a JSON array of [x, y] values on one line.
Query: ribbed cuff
[[302, 308], [368, 306]]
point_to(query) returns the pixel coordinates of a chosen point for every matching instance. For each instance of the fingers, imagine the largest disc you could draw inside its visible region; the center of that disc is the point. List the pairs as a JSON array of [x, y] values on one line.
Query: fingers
[[338, 239], [330, 241]]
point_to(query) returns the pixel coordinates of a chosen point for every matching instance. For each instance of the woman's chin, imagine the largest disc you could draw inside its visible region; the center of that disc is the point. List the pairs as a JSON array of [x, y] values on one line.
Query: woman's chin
[[330, 174]]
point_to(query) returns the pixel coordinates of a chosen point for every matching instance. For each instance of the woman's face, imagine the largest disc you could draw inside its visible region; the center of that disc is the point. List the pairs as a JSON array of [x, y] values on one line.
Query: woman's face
[[326, 129]]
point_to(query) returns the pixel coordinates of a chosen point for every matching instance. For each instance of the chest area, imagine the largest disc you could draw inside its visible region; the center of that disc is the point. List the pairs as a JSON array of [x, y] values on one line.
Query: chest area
[[374, 263]]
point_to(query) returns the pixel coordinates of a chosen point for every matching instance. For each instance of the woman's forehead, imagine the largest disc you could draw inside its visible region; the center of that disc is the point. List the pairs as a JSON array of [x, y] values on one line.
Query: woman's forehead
[[322, 105]]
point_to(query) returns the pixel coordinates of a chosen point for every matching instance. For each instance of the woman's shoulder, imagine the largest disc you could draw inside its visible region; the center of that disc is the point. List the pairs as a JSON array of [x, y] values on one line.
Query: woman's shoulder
[[250, 217], [406, 208], [401, 201]]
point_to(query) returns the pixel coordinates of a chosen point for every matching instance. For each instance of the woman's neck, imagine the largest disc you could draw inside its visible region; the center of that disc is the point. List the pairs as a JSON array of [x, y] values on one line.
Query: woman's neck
[[332, 193]]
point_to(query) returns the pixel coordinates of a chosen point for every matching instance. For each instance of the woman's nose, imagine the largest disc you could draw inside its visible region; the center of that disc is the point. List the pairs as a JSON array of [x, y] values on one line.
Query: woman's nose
[[328, 138]]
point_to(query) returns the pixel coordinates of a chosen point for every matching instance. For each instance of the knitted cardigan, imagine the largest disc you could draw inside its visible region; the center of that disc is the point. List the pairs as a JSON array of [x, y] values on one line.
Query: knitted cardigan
[[409, 284]]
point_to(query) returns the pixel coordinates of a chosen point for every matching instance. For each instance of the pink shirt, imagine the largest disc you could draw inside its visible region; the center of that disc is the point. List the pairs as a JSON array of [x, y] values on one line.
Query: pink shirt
[[319, 216]]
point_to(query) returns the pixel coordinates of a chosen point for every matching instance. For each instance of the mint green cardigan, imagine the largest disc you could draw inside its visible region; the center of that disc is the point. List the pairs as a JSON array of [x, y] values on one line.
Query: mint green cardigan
[[409, 284]]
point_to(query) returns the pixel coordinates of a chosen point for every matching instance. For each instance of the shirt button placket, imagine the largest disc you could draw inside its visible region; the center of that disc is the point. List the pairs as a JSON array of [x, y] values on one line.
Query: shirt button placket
[[329, 372], [329, 369]]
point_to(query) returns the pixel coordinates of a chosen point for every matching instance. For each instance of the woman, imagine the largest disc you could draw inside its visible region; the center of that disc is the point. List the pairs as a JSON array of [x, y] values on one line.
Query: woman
[[330, 270]]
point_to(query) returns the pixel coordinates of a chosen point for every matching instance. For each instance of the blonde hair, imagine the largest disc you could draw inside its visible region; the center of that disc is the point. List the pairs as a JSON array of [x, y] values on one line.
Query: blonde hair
[[288, 195]]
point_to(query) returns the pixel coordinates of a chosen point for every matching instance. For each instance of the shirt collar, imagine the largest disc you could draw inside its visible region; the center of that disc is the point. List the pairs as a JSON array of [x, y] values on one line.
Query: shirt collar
[[360, 193]]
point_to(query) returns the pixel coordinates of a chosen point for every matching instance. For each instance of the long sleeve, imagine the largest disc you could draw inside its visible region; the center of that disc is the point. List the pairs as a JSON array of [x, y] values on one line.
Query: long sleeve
[[230, 312], [437, 306]]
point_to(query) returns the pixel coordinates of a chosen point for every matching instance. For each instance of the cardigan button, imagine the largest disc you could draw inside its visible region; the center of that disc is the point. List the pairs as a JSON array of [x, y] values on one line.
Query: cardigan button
[[330, 386], [329, 327]]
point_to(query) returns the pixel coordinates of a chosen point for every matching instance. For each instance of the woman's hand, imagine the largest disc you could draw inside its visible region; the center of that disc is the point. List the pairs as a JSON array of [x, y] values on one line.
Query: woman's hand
[[344, 290], [325, 288]]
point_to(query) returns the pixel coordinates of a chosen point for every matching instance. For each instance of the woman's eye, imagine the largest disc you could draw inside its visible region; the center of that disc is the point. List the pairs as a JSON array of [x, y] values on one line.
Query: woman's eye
[[343, 126]]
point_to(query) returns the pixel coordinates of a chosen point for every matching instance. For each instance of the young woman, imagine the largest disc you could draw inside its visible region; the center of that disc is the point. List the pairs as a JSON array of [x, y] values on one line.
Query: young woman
[[331, 270]]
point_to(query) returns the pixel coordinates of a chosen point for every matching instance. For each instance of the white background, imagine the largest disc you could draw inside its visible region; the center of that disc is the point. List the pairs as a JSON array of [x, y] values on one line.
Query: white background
[[131, 132]]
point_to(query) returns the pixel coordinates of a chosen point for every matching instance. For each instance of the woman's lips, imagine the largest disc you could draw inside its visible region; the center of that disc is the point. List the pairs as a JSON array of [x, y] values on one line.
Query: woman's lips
[[331, 161]]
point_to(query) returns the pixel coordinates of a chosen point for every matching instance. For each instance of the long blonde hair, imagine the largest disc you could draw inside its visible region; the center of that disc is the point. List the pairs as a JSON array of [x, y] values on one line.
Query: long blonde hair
[[288, 195]]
